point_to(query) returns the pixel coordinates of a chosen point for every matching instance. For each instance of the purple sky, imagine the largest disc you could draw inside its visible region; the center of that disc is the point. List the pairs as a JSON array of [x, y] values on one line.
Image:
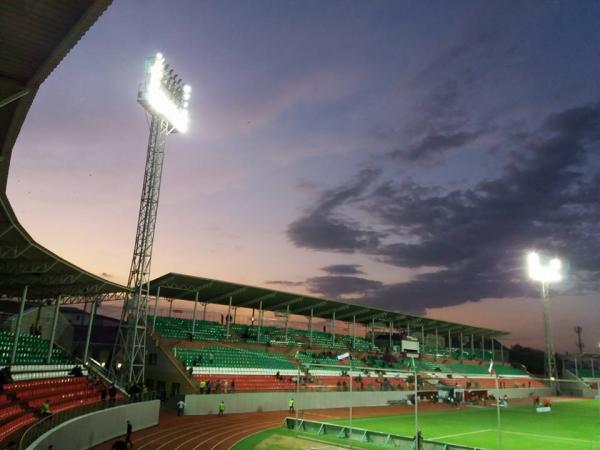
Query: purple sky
[[400, 154]]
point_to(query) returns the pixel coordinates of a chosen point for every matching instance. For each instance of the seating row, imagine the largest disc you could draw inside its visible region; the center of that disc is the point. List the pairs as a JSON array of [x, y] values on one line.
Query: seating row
[[221, 356]]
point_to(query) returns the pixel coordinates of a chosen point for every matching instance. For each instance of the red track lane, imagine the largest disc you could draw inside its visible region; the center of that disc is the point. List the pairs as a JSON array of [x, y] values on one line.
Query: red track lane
[[222, 433]]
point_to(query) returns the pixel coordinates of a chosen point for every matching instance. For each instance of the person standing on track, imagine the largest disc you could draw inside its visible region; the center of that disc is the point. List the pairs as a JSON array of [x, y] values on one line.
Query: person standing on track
[[128, 435], [221, 408], [180, 407], [291, 406]]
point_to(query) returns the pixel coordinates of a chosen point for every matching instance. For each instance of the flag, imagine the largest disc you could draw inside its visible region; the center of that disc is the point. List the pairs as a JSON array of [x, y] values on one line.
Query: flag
[[491, 370], [344, 358]]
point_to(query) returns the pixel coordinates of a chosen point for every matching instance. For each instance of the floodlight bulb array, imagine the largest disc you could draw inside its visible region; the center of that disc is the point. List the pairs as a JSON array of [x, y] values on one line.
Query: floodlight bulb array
[[164, 94], [548, 273]]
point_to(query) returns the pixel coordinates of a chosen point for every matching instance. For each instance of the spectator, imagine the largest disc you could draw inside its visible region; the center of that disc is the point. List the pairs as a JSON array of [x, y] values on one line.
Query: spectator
[[208, 386], [190, 371], [134, 392], [5, 376], [232, 385], [45, 409], [112, 394], [225, 386], [103, 393], [202, 386], [218, 387], [128, 435], [180, 407], [211, 358], [221, 408]]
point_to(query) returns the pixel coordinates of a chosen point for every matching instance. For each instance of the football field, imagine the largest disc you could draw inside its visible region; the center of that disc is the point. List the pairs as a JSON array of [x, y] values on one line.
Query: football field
[[571, 425]]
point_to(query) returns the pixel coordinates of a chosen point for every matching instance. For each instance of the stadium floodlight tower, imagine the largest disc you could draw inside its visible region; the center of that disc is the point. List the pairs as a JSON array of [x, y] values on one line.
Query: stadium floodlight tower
[[545, 274], [165, 98]]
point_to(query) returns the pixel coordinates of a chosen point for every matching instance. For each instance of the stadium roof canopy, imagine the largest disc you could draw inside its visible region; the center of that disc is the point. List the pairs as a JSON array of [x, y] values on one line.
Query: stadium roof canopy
[[34, 37], [185, 287]]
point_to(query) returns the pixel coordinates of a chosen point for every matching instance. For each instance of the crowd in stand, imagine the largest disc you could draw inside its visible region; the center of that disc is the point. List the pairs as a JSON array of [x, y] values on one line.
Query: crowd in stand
[[216, 387]]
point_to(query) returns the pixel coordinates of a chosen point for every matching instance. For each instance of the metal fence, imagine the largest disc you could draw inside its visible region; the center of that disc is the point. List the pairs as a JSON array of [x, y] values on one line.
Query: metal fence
[[367, 436]]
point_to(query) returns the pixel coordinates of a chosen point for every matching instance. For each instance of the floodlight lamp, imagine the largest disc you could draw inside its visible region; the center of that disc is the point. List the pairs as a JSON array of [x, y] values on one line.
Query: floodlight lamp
[[548, 273], [158, 94]]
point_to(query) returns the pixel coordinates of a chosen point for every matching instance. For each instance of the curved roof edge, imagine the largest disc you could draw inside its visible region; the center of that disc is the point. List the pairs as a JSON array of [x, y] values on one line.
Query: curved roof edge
[[185, 287], [36, 37]]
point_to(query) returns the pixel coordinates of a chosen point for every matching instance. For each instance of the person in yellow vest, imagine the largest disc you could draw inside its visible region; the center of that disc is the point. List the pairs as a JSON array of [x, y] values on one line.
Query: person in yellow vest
[[221, 408], [202, 386], [45, 408], [291, 405]]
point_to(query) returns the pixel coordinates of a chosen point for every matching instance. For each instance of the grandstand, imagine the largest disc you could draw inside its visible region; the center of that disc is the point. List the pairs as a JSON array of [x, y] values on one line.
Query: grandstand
[[52, 352]]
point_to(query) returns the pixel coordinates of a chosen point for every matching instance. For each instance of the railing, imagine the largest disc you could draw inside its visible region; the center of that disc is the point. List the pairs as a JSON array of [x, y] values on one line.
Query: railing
[[345, 432], [49, 422], [95, 367]]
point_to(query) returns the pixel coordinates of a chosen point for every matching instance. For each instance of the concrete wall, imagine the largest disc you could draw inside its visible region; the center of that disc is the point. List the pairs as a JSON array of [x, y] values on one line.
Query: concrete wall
[[278, 401], [64, 330], [166, 372], [92, 429], [525, 392]]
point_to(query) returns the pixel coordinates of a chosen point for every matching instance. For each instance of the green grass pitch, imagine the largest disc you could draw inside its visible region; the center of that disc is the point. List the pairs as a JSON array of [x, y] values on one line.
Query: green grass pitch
[[572, 425]]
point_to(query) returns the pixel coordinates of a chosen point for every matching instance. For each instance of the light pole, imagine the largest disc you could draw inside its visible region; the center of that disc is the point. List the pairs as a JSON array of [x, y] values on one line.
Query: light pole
[[165, 98], [546, 274]]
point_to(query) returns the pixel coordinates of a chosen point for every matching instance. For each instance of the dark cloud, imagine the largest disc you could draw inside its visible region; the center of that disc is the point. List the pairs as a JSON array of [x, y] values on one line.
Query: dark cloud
[[336, 286], [546, 198], [434, 145], [285, 283], [343, 269], [324, 228]]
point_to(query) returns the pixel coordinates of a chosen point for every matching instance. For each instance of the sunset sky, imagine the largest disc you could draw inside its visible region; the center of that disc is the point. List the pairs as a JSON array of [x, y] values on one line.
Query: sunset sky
[[401, 154]]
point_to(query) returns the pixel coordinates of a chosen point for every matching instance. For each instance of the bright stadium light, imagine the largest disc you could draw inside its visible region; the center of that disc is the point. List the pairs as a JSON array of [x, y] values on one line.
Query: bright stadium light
[[549, 273], [545, 274], [164, 94]]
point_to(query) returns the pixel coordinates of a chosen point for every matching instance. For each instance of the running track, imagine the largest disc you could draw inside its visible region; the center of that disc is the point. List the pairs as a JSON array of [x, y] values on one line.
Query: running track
[[221, 433]]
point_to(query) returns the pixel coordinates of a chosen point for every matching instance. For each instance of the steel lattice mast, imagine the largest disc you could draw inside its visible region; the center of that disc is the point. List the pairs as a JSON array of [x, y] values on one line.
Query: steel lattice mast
[[551, 370], [165, 98], [546, 274]]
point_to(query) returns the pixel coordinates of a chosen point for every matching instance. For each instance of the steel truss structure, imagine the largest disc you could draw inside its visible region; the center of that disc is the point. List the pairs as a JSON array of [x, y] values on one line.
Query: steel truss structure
[[550, 356], [165, 98], [131, 338]]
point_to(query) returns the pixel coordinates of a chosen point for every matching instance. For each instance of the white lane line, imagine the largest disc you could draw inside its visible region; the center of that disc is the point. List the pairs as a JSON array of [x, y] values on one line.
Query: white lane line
[[437, 438]]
